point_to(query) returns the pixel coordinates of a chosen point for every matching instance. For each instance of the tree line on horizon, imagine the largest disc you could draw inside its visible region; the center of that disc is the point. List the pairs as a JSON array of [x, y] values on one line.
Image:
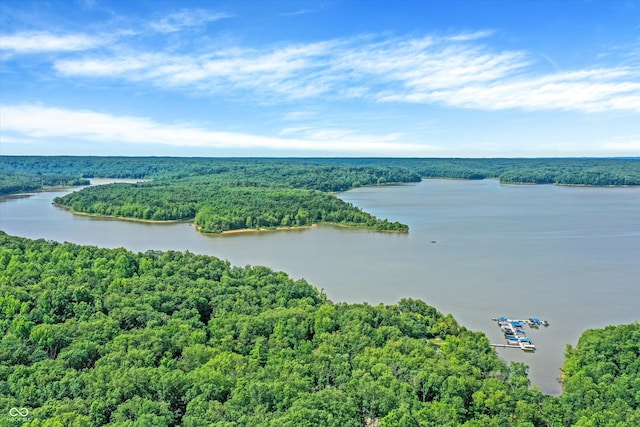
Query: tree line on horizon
[[29, 173]]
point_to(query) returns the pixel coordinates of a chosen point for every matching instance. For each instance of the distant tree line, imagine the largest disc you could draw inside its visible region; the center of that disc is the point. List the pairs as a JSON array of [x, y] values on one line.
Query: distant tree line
[[328, 174], [22, 183], [93, 337]]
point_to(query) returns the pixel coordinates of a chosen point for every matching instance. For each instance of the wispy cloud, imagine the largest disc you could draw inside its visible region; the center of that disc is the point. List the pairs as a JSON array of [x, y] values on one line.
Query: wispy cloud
[[294, 71], [299, 12], [299, 115], [475, 35], [39, 42], [455, 70], [350, 68], [589, 91], [429, 63], [186, 18], [40, 122], [451, 70], [114, 67]]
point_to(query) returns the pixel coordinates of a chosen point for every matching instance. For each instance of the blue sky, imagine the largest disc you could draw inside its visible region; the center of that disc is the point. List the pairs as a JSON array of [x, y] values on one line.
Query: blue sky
[[472, 78]]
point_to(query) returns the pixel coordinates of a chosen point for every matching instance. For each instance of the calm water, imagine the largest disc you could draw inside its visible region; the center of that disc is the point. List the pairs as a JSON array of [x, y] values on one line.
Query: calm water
[[476, 249]]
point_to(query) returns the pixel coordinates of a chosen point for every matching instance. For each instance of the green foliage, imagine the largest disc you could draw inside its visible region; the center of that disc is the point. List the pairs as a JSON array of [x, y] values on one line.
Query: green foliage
[[24, 182], [21, 173], [602, 377], [94, 337], [252, 196], [108, 337], [565, 171], [595, 172]]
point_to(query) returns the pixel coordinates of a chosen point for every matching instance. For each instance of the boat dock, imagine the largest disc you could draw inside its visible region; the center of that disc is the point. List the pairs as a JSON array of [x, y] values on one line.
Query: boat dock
[[503, 346], [514, 332]]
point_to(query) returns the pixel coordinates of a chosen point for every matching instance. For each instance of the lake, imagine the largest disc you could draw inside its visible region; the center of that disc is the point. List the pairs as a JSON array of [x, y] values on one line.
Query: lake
[[476, 249]]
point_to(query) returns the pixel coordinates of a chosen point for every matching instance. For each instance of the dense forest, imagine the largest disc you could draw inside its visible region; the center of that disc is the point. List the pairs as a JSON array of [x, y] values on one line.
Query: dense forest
[[20, 183], [257, 198], [216, 208], [569, 171], [93, 337]]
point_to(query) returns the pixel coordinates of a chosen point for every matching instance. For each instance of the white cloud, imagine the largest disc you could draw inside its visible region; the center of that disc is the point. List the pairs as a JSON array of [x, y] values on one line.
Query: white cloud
[[458, 70], [415, 65], [293, 71], [186, 18], [102, 68], [38, 42], [299, 115], [588, 91], [475, 35], [455, 71], [43, 123]]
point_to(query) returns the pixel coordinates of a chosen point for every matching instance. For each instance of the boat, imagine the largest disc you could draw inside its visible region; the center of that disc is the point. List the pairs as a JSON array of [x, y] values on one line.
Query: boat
[[528, 347], [526, 344]]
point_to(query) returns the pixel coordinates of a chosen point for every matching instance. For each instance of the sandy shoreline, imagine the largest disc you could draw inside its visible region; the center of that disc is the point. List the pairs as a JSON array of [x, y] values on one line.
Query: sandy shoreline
[[260, 230], [124, 218]]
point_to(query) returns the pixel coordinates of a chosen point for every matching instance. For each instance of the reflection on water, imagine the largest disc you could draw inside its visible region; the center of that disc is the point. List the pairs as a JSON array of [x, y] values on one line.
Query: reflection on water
[[476, 249]]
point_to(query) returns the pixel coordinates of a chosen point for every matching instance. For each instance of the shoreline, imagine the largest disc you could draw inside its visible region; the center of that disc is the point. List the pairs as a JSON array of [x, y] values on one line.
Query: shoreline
[[294, 228], [258, 230], [123, 218], [92, 183], [335, 193], [225, 232]]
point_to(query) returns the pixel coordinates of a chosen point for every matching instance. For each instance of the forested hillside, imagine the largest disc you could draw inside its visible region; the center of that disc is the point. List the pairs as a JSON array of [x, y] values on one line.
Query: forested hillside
[[95, 337], [20, 183], [602, 378]]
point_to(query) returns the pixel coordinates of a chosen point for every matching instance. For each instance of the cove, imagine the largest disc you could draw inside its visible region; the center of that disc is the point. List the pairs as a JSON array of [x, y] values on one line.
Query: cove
[[476, 249]]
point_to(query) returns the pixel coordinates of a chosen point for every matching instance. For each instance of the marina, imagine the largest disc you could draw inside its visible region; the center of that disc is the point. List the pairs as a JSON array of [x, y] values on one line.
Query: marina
[[515, 334]]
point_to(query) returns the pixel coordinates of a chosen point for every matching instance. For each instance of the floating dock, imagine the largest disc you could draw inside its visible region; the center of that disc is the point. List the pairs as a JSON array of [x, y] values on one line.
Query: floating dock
[[515, 334]]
